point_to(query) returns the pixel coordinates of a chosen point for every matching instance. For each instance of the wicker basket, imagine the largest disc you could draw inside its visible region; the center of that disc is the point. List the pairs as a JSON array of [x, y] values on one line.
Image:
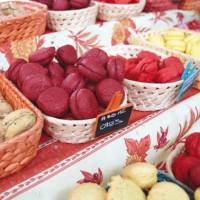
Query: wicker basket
[[72, 131], [71, 19], [108, 11], [32, 23], [142, 40], [20, 150], [147, 96]]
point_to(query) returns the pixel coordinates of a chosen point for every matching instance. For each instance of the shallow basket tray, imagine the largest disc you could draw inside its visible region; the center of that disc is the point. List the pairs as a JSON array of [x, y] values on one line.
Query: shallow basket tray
[[20, 150], [71, 19], [29, 24], [108, 11], [146, 96], [142, 40], [72, 131]]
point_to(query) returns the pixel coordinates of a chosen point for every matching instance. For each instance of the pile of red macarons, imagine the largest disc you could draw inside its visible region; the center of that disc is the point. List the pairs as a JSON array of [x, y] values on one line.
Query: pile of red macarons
[[65, 86], [149, 67], [61, 5], [186, 166]]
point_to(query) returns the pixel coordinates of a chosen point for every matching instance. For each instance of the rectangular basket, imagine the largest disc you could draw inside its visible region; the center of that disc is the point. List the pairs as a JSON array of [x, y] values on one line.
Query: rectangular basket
[[20, 150], [23, 26], [141, 39]]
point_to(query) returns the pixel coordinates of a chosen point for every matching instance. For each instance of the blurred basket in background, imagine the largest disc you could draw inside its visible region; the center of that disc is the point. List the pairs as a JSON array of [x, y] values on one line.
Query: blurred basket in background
[[21, 19]]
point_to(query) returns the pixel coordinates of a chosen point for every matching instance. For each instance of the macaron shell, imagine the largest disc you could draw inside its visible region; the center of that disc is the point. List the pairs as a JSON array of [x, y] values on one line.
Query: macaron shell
[[18, 121], [92, 70], [115, 67], [106, 89], [124, 189], [83, 104], [142, 173], [88, 191], [13, 70], [167, 191], [32, 88], [42, 56], [97, 54], [53, 102]]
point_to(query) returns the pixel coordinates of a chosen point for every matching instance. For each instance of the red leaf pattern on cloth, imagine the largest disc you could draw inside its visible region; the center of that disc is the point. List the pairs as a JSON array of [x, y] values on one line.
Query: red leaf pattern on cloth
[[184, 128], [160, 16], [84, 41], [40, 42], [180, 18], [138, 149], [161, 139], [91, 178]]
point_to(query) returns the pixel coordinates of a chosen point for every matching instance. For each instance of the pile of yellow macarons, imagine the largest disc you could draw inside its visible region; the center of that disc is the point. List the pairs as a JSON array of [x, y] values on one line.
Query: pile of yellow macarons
[[176, 39], [138, 181]]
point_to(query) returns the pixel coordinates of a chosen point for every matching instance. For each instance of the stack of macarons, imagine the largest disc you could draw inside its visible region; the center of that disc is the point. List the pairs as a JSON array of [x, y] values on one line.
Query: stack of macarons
[[65, 86], [186, 166], [150, 68], [138, 181], [13, 123]]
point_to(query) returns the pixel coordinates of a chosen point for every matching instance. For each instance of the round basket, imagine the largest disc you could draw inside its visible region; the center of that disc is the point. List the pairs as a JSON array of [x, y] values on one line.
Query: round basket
[[179, 149], [71, 19], [31, 22], [20, 150], [108, 11], [146, 96], [72, 131]]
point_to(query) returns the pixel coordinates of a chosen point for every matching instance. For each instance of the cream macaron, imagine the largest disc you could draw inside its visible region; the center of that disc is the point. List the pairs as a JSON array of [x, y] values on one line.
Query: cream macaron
[[197, 194], [167, 191], [124, 189], [17, 122], [88, 191], [142, 173]]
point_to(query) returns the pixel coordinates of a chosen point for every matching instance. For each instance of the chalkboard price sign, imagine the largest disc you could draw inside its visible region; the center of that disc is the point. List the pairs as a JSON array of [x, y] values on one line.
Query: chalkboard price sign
[[113, 120]]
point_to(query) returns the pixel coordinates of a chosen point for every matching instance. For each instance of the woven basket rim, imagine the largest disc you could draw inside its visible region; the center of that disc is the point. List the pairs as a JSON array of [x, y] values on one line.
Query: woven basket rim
[[41, 7], [118, 5], [39, 122], [85, 121], [153, 84], [91, 6]]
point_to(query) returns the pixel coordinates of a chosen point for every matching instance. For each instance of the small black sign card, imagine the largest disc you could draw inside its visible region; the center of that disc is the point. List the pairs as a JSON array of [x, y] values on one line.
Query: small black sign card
[[113, 120]]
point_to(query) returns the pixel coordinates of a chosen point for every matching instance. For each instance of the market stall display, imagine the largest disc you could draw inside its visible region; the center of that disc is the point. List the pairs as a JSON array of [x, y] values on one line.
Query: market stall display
[[76, 78], [21, 19], [20, 129]]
